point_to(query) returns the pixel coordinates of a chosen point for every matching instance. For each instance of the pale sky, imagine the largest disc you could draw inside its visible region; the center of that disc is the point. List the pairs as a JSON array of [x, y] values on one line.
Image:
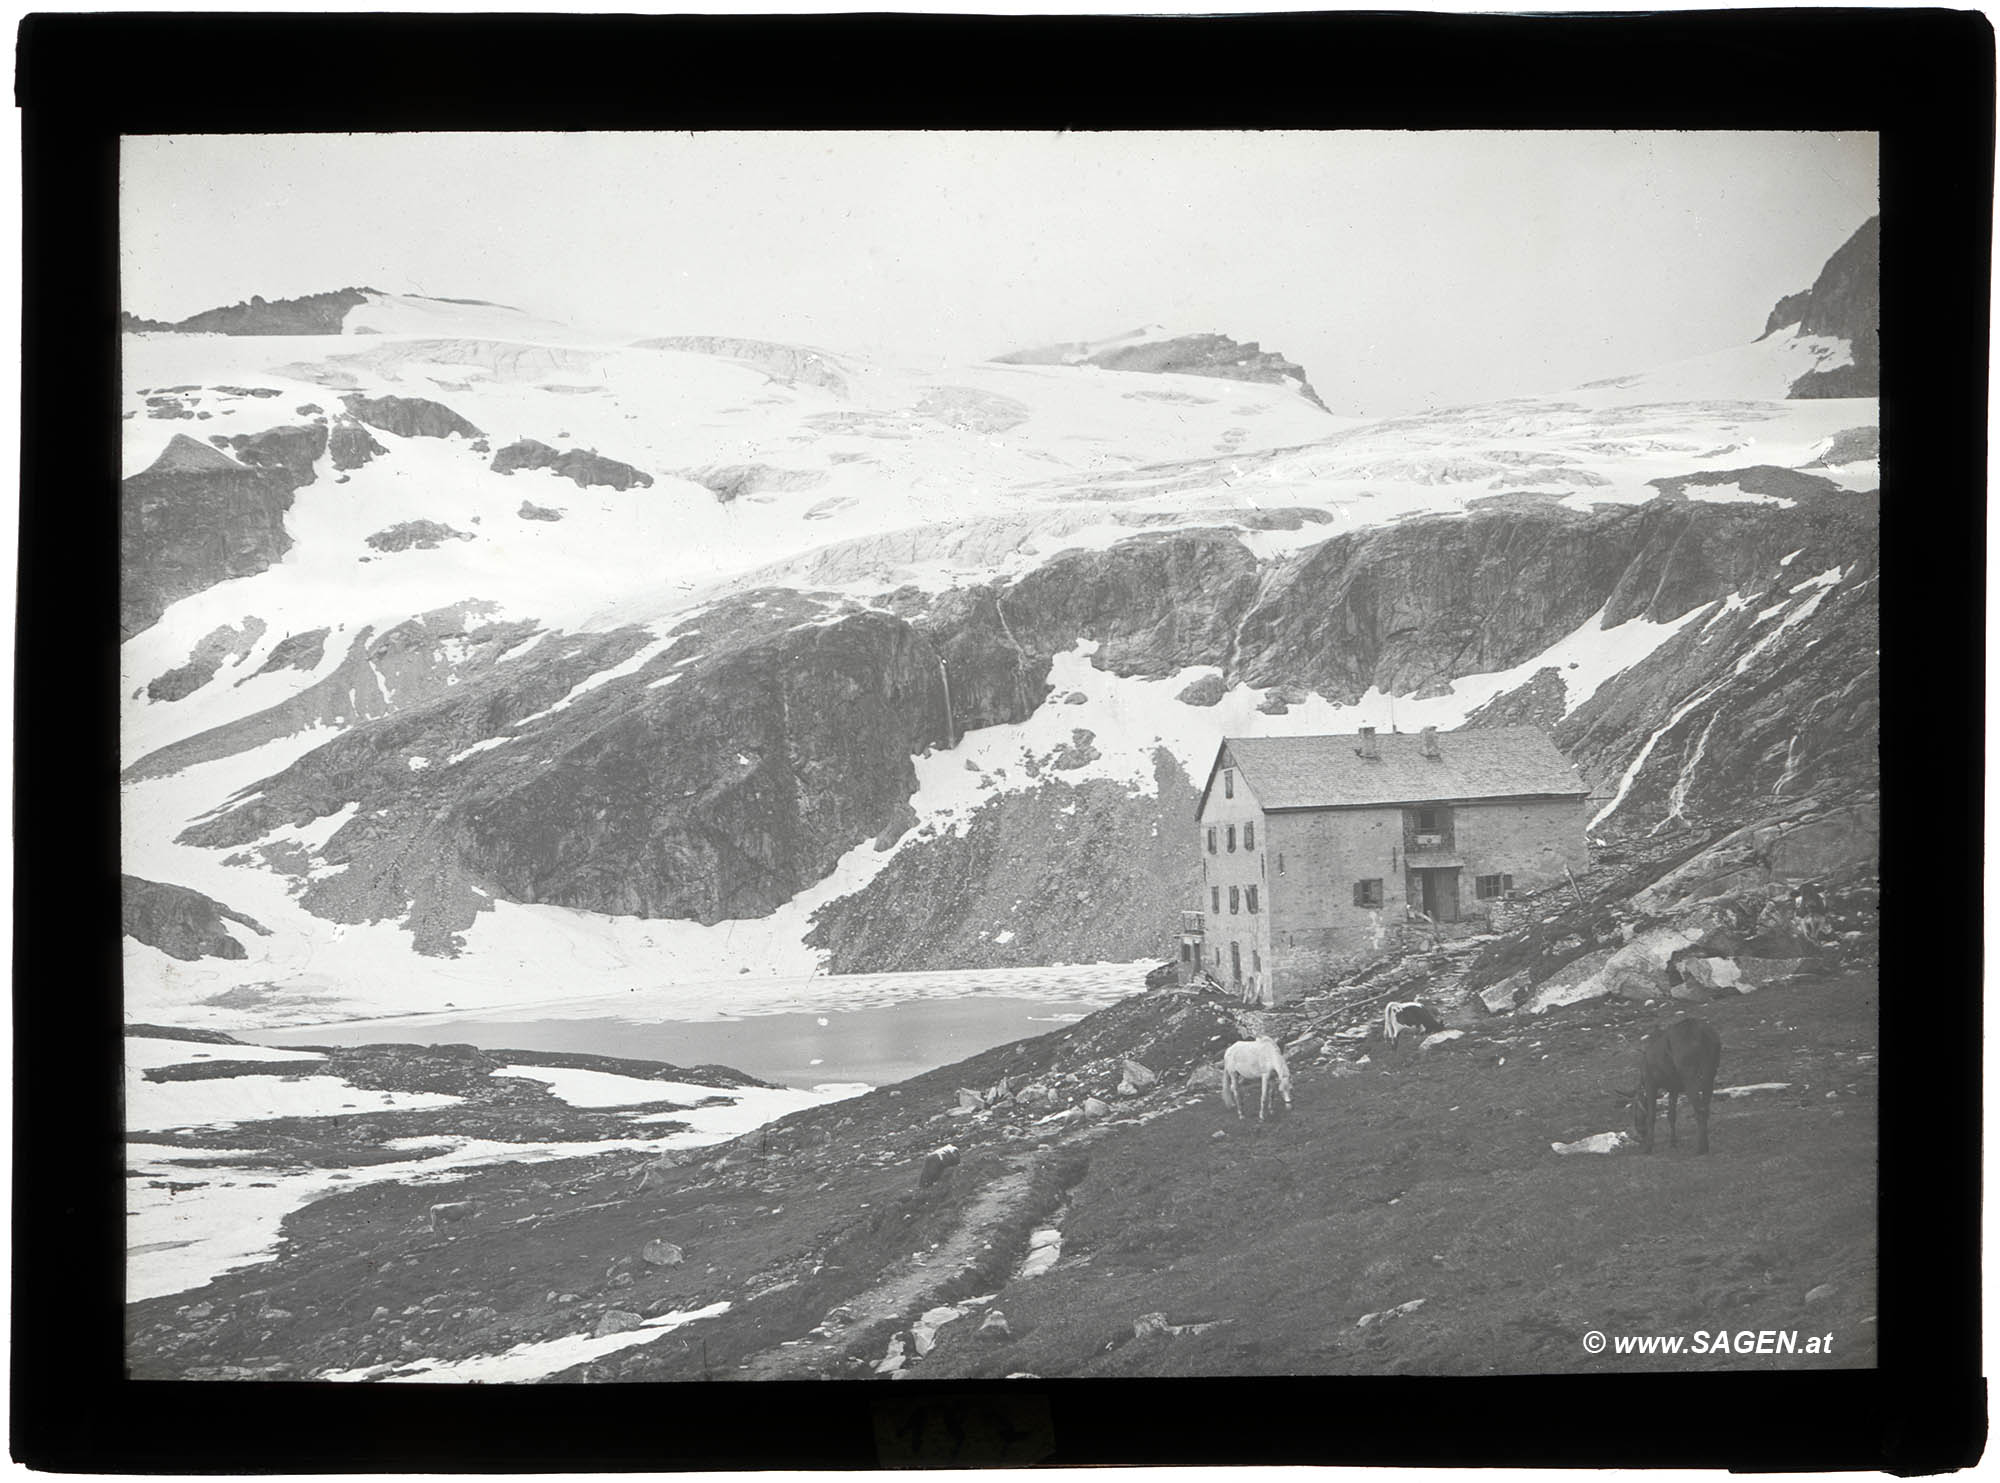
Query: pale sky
[[1402, 270]]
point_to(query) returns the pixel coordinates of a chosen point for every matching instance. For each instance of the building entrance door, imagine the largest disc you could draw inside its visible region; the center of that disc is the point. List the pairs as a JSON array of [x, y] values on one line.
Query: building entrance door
[[1235, 963], [1435, 893]]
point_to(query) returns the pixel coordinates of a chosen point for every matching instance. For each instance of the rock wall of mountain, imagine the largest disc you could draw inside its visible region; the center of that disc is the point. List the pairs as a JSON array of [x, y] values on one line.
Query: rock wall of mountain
[[1060, 873], [773, 732], [721, 776], [194, 518], [179, 922], [1783, 676], [1845, 301], [409, 665], [729, 791], [1405, 608]]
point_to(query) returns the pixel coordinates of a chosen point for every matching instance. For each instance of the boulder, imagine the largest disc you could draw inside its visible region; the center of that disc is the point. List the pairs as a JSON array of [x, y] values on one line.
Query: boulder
[[1571, 984], [1638, 970], [1093, 1107], [1442, 1037], [1140, 1075], [1711, 974], [969, 1100], [1149, 1323], [1204, 1077], [617, 1321], [661, 1253], [1507, 993], [1208, 690], [994, 1327]]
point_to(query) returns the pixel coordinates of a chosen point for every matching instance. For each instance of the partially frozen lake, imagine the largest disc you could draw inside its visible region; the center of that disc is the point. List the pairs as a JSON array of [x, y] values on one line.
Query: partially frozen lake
[[874, 1028]]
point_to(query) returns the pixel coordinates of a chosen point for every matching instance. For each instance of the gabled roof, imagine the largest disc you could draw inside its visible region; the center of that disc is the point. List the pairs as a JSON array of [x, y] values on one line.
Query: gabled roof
[[1329, 772]]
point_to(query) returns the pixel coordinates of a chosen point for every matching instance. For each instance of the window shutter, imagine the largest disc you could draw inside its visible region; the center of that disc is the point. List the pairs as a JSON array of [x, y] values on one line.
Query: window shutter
[[1253, 898], [1249, 836]]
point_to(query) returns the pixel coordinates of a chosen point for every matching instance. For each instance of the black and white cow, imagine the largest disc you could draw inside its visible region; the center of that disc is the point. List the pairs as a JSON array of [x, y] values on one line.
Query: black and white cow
[[1408, 1014]]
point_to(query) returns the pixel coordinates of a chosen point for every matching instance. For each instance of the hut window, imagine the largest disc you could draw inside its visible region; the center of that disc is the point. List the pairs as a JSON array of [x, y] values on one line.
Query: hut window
[[1232, 839], [1211, 841], [1251, 898], [1249, 836], [1228, 782], [1368, 893], [1235, 898]]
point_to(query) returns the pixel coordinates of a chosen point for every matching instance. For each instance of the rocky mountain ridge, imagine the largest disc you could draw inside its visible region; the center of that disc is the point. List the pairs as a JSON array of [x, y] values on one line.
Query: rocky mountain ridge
[[801, 683]]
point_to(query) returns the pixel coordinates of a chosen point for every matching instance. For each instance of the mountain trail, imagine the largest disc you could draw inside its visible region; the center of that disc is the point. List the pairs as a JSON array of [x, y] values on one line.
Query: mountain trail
[[923, 1281]]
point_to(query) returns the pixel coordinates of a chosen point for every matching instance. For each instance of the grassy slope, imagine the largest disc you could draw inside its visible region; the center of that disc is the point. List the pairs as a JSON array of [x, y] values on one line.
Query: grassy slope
[[1426, 1174], [1433, 1178]]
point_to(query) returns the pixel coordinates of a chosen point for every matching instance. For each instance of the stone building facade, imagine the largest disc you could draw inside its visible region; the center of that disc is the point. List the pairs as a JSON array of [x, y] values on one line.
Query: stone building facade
[[1317, 851]]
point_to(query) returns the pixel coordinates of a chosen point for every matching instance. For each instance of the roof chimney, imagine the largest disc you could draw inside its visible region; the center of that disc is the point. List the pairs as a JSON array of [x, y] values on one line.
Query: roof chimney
[[1368, 748], [1431, 743]]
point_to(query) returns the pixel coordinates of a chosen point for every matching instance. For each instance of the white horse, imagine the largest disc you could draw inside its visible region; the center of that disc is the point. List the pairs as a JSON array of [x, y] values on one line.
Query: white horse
[[1262, 1059]]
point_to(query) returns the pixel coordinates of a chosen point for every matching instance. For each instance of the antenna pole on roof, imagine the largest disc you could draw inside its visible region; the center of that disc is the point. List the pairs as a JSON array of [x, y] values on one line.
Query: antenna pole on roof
[[1392, 712]]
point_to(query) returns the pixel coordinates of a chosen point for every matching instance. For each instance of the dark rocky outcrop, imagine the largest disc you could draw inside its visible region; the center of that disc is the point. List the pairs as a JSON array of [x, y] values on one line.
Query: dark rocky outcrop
[[1849, 445], [1074, 873], [294, 449], [410, 665], [179, 922], [1789, 311], [1762, 479], [531, 511], [1540, 702], [225, 643], [1844, 302], [720, 793], [314, 314], [418, 535], [193, 518], [293, 651], [1186, 355], [409, 417], [352, 445], [583, 467]]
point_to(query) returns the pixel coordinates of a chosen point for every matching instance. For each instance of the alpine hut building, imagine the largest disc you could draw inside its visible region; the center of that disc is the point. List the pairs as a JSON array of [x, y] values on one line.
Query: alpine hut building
[[1314, 848]]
